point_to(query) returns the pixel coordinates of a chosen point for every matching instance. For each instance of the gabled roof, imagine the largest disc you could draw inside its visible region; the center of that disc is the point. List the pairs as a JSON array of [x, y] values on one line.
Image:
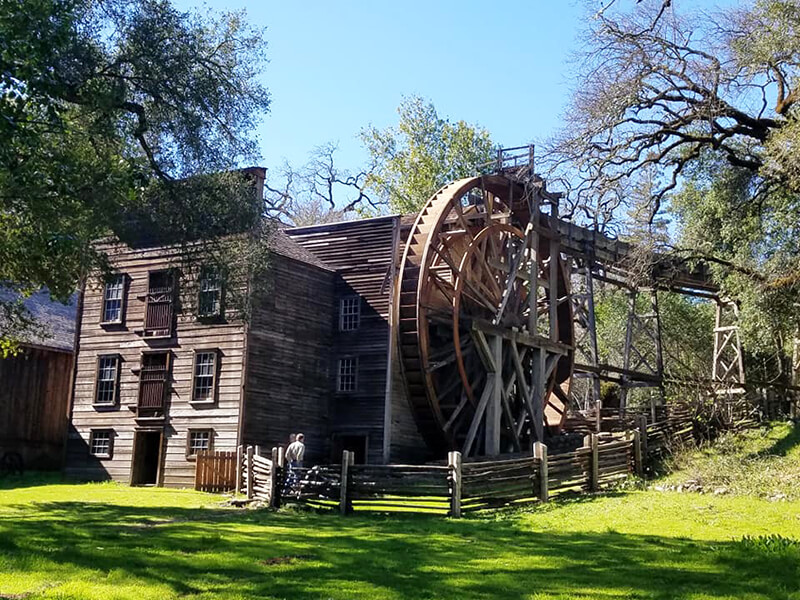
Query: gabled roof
[[280, 243], [57, 319]]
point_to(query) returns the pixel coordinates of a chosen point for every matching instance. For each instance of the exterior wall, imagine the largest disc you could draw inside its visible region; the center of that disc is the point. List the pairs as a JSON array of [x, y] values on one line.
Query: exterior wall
[[362, 254], [288, 384], [126, 340], [34, 401]]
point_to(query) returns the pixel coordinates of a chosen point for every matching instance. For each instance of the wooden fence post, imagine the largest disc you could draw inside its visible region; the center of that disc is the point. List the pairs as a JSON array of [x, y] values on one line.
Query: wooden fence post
[[642, 420], [272, 484], [344, 492], [540, 452], [454, 463], [637, 453], [594, 463], [250, 472], [239, 467]]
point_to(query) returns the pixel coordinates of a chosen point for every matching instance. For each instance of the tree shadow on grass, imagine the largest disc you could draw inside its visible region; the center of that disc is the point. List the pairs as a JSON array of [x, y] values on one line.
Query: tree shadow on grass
[[33, 479], [261, 554], [784, 445]]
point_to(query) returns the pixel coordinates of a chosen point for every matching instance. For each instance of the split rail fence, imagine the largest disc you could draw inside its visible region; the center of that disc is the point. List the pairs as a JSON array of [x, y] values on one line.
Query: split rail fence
[[453, 488]]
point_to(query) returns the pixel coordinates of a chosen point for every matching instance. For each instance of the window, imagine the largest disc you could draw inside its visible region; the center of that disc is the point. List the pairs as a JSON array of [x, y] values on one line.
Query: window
[[107, 379], [113, 294], [209, 297], [100, 442], [349, 313], [205, 371], [347, 378], [158, 312], [152, 383], [199, 440]]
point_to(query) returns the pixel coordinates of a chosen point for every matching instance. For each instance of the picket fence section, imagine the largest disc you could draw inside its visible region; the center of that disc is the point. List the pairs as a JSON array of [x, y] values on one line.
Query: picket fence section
[[453, 488], [215, 471]]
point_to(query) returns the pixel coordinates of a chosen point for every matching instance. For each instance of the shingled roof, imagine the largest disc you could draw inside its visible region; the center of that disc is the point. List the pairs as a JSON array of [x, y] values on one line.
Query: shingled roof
[[57, 319]]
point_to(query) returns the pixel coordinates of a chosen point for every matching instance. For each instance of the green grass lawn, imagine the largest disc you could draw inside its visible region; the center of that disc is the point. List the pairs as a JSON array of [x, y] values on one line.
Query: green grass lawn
[[105, 541]]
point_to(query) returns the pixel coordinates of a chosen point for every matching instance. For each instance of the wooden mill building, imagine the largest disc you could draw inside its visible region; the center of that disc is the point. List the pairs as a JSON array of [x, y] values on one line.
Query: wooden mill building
[[35, 385], [160, 376]]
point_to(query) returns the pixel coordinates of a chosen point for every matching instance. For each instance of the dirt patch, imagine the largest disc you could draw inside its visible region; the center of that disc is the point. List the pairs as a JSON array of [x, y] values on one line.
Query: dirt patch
[[284, 560]]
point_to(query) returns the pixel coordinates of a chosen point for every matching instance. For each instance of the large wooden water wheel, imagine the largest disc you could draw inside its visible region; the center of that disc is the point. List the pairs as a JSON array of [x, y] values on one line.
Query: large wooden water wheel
[[485, 324]]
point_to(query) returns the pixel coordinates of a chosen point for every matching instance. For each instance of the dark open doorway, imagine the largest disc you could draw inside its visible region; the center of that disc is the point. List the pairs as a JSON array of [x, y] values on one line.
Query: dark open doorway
[[146, 458], [357, 444]]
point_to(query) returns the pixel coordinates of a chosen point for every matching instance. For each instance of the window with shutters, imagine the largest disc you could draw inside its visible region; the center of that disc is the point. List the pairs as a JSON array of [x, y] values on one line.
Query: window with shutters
[[209, 294], [159, 304], [113, 300], [347, 379], [205, 376], [101, 442], [349, 313], [153, 384], [107, 385]]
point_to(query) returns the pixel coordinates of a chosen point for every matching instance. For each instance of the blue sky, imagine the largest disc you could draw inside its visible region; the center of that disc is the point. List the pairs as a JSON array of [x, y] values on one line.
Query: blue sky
[[337, 66]]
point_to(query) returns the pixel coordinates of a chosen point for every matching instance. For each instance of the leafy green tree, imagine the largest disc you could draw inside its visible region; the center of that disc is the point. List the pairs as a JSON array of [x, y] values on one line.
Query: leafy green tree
[[119, 117], [422, 153]]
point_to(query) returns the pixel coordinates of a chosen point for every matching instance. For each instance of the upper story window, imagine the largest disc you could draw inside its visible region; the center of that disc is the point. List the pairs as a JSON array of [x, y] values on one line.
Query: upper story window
[[349, 313], [113, 299], [347, 376], [107, 387], [101, 442], [159, 308], [205, 375], [209, 295]]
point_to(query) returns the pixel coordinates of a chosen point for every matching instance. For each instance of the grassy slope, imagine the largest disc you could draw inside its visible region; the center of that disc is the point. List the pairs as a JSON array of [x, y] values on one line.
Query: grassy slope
[[108, 541], [761, 462]]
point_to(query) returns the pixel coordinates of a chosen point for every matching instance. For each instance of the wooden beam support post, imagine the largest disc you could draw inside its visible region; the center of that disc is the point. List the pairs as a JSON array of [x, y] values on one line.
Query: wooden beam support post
[[239, 467], [540, 452], [250, 452], [345, 503], [454, 463], [494, 410]]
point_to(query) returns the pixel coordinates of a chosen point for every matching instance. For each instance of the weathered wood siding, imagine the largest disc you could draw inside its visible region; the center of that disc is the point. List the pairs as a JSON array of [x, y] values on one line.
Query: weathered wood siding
[[288, 385], [190, 335], [361, 252], [34, 401]]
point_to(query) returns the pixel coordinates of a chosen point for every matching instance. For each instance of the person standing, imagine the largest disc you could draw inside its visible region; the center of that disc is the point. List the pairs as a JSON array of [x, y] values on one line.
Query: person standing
[[294, 459]]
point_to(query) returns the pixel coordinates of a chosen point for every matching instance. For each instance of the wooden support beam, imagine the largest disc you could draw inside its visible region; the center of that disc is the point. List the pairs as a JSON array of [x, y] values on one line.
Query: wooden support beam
[[484, 350], [494, 407], [521, 337], [472, 432]]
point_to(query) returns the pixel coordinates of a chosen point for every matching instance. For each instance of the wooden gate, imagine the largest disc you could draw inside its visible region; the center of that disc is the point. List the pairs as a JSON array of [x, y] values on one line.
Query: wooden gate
[[215, 471]]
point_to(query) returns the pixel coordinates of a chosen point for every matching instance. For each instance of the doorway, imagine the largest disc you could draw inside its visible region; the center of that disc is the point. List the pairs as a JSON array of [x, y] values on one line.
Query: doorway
[[357, 444], [146, 458]]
